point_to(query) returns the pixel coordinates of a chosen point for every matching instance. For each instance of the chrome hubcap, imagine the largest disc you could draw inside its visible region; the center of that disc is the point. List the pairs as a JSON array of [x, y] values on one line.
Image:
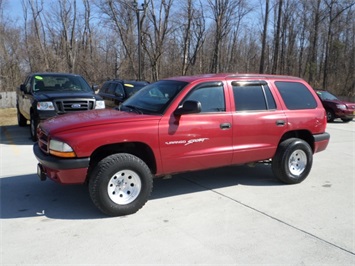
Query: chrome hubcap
[[124, 187], [297, 162]]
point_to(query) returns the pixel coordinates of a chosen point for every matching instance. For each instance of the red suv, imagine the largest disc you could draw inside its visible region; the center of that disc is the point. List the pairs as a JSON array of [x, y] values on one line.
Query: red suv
[[184, 124], [335, 107]]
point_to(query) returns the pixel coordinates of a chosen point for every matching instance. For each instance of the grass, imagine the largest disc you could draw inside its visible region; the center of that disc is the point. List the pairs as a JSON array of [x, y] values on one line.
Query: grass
[[8, 117]]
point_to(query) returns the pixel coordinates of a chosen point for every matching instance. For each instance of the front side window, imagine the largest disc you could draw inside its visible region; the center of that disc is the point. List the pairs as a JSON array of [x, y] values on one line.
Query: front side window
[[111, 88], [296, 95], [105, 87], [210, 95], [252, 97]]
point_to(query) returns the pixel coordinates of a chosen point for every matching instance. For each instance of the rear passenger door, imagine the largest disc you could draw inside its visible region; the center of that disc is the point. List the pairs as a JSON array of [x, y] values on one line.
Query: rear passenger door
[[258, 121]]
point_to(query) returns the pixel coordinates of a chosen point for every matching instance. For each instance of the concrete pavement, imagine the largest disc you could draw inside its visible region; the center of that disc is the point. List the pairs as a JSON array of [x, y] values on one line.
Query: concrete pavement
[[230, 216]]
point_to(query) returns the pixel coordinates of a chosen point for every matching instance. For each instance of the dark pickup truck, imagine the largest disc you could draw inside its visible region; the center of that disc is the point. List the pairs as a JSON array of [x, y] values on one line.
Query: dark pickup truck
[[44, 95]]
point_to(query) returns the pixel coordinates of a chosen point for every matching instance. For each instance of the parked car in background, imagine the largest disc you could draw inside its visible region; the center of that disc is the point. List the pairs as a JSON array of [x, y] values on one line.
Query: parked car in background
[[44, 95], [335, 107], [116, 91]]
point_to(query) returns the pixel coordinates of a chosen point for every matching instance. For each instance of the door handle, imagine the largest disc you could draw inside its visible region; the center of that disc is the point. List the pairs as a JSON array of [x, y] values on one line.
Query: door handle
[[280, 122], [225, 125]]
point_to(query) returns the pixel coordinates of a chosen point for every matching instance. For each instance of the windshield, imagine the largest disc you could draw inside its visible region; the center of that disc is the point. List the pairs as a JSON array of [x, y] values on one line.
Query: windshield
[[154, 98], [324, 95], [48, 82]]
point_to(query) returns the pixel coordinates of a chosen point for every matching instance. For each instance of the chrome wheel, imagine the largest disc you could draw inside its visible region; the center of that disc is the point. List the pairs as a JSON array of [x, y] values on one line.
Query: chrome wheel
[[292, 161], [124, 187], [297, 162]]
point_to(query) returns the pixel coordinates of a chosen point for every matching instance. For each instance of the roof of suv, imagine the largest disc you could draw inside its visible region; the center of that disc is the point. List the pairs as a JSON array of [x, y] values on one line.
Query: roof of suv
[[232, 75]]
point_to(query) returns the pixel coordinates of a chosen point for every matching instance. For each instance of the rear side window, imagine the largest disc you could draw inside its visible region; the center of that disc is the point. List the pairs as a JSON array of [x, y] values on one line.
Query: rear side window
[[296, 95], [252, 97]]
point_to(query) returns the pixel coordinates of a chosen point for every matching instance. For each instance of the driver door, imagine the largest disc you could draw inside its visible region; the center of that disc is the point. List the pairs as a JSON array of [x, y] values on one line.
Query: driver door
[[200, 140]]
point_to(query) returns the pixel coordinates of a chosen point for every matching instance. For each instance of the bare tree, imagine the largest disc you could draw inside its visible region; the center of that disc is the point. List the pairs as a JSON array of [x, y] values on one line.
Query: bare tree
[[155, 37], [264, 35], [335, 9], [10, 52], [193, 31], [277, 38], [35, 40], [312, 39]]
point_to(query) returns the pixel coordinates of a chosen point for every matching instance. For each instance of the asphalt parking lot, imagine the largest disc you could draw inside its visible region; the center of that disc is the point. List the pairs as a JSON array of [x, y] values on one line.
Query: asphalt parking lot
[[230, 216]]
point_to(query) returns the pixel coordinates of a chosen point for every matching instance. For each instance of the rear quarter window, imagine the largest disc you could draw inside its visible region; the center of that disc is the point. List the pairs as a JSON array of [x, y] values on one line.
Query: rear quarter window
[[296, 95]]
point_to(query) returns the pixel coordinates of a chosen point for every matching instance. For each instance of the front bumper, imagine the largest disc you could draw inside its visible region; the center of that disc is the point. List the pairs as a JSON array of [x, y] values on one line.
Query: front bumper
[[65, 171], [44, 115], [347, 114]]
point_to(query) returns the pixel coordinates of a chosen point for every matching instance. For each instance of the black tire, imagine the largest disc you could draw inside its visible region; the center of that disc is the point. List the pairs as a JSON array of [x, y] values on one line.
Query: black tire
[[292, 161], [120, 184], [330, 115], [33, 128], [21, 120], [346, 120]]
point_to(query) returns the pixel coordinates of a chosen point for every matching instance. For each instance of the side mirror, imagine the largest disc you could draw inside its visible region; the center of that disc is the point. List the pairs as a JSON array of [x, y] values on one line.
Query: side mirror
[[119, 95], [23, 88], [95, 87], [188, 107]]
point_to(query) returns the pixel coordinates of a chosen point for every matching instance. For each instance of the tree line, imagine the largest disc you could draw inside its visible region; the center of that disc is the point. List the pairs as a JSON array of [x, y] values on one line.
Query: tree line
[[100, 39]]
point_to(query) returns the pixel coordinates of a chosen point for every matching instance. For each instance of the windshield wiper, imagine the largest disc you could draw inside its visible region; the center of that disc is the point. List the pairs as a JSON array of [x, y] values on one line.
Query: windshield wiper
[[131, 108]]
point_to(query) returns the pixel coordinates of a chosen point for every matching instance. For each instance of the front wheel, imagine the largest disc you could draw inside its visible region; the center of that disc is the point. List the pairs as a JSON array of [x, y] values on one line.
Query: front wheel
[[330, 115], [21, 120], [292, 161], [346, 120], [120, 184]]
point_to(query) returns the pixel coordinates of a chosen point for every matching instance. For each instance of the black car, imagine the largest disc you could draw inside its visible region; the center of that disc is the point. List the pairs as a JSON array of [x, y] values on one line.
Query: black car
[[115, 91], [44, 95]]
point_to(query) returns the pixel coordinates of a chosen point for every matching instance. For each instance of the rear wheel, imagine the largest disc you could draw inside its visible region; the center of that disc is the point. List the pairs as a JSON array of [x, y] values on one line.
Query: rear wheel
[[292, 161], [120, 184]]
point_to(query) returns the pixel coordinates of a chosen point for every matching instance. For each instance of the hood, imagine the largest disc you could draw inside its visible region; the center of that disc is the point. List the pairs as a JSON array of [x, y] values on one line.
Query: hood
[[50, 96], [85, 119], [349, 105]]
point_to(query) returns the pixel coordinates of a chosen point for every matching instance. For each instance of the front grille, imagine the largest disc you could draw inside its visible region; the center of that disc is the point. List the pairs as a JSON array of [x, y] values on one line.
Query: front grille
[[74, 105], [42, 140]]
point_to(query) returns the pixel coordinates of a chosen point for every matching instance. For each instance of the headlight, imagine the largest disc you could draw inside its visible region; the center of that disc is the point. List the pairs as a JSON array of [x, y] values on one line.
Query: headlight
[[341, 106], [100, 105], [45, 106], [61, 149]]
